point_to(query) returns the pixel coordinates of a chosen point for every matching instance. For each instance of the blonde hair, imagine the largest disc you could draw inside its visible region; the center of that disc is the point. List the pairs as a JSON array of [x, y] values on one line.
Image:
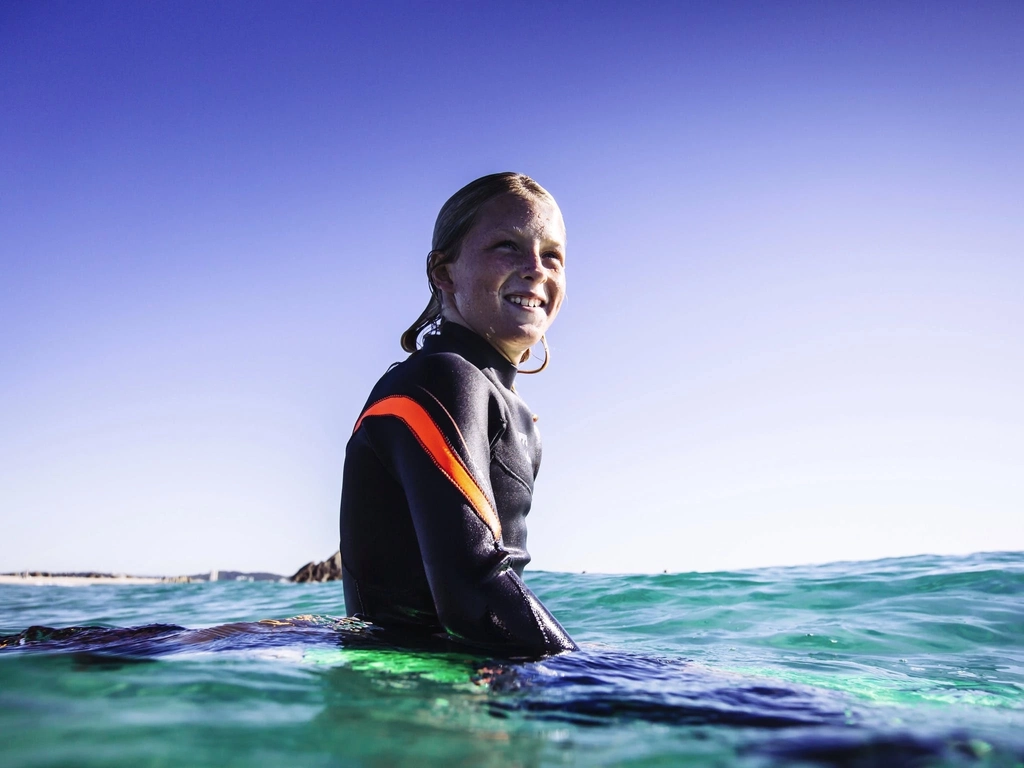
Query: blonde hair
[[454, 221]]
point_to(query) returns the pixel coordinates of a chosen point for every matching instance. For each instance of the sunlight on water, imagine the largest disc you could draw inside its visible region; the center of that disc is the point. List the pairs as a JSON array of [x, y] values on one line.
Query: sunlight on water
[[455, 669]]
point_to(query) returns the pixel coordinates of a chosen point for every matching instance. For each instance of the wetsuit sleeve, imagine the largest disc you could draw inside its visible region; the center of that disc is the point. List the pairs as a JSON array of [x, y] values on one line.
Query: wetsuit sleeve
[[436, 440]]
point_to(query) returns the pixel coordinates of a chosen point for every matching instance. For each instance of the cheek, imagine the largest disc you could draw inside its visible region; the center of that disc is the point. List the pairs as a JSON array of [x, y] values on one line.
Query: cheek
[[482, 278], [554, 312], [558, 302], [561, 290], [477, 291]]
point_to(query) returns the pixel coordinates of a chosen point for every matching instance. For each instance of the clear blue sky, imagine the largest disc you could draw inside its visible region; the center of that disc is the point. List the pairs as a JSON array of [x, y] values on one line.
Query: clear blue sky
[[794, 329]]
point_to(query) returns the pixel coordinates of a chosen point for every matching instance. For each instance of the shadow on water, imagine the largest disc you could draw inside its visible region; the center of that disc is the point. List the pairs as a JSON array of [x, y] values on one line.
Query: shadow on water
[[830, 747], [376, 678], [588, 688], [155, 640]]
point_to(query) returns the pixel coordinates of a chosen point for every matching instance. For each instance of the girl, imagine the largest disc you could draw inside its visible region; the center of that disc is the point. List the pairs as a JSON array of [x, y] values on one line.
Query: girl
[[440, 467]]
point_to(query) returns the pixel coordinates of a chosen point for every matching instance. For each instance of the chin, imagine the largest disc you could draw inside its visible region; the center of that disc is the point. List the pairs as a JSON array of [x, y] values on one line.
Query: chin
[[524, 340]]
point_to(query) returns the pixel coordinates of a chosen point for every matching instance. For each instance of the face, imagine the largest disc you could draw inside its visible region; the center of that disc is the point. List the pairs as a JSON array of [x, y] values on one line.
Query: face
[[508, 280]]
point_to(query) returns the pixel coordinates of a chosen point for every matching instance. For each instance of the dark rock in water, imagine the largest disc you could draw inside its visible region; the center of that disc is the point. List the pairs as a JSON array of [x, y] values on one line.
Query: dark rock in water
[[328, 570]]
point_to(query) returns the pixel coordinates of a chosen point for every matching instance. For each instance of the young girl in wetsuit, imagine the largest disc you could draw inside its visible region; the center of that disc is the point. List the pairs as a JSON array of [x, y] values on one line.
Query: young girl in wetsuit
[[440, 467]]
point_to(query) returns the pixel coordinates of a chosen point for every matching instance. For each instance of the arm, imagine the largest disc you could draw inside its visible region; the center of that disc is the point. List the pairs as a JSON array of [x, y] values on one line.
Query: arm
[[437, 442]]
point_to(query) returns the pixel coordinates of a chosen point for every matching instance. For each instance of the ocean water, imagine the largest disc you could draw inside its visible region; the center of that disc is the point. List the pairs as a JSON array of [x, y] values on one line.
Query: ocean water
[[905, 662]]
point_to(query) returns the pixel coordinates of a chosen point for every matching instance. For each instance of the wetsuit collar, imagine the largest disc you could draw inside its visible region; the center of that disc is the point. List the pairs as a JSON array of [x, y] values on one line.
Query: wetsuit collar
[[475, 348]]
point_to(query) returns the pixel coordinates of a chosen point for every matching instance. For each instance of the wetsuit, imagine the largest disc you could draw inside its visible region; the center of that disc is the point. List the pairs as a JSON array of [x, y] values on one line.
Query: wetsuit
[[438, 481]]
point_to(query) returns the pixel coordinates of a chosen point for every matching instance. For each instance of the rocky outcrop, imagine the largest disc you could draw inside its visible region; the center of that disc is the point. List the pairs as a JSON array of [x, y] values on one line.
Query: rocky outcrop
[[328, 570]]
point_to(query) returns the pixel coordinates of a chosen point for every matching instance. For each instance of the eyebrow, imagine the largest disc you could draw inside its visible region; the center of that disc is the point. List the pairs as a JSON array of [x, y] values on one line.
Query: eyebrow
[[520, 232], [513, 230]]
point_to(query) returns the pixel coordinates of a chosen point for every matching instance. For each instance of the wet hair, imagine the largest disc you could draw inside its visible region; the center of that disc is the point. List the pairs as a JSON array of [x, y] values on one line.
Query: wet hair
[[454, 221]]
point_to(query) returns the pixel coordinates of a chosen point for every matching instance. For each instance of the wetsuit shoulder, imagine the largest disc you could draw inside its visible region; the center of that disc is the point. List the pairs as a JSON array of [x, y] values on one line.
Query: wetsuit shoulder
[[447, 375], [464, 403]]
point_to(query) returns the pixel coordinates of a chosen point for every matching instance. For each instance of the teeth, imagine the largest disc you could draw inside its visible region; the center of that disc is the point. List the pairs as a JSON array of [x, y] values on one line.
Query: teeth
[[524, 301]]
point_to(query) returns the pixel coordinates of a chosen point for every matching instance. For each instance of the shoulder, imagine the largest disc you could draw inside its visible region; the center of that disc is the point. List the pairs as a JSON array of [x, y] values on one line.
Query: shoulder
[[438, 392], [448, 376], [446, 384]]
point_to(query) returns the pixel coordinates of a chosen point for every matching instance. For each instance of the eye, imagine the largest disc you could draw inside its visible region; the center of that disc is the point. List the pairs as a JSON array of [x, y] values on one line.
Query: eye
[[506, 244], [555, 255]]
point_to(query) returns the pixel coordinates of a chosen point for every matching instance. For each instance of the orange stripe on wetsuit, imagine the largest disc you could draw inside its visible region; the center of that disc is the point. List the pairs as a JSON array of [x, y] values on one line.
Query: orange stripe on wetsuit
[[429, 435]]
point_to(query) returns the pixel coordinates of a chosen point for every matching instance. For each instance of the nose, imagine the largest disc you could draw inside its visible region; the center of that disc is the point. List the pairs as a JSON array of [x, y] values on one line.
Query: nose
[[532, 267]]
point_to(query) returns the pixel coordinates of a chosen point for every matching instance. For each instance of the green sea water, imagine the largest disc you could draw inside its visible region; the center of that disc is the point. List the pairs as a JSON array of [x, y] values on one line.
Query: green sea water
[[911, 661]]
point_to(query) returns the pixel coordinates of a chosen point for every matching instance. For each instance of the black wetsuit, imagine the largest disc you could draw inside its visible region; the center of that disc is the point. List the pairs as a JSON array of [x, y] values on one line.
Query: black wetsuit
[[438, 481]]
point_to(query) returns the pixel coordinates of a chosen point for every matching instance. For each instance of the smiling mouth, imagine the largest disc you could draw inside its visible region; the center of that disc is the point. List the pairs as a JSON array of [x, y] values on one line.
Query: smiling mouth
[[528, 302]]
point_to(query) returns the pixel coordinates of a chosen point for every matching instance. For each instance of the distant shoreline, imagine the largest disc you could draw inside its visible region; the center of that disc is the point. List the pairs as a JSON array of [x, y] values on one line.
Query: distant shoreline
[[311, 572], [83, 581], [40, 578]]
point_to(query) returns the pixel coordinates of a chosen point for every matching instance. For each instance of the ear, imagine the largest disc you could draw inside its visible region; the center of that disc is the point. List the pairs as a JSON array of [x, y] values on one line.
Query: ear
[[440, 273]]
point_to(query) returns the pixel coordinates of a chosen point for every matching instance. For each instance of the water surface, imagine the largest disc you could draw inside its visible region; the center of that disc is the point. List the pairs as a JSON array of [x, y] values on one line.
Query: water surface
[[912, 661]]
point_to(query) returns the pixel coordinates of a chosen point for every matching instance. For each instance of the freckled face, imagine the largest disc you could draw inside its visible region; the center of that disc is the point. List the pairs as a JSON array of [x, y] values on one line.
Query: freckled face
[[508, 280]]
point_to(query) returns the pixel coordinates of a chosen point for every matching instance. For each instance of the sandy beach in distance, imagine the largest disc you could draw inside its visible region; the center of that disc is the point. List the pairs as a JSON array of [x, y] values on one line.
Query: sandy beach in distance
[[328, 570], [80, 581]]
